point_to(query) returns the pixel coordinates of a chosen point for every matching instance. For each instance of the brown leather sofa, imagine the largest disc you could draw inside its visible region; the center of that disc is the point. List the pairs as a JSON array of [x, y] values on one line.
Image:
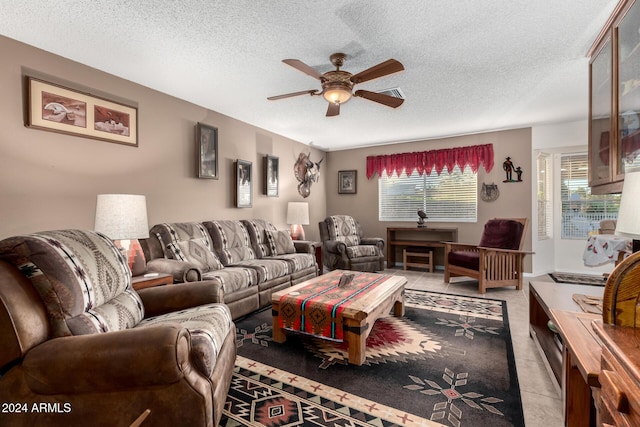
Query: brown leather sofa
[[80, 347], [249, 259]]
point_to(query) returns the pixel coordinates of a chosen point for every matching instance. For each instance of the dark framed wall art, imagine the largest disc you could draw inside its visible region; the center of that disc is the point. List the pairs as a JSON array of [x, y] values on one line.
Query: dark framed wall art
[[64, 110], [244, 177], [207, 146], [271, 171], [347, 182]]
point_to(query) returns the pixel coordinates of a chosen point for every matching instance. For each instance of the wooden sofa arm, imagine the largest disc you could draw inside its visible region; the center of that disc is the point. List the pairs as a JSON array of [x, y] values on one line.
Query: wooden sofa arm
[[514, 251], [455, 246]]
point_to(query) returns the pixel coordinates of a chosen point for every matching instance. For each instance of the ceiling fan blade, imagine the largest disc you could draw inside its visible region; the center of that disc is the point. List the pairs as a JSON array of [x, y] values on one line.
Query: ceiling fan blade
[[301, 66], [383, 69], [389, 101], [333, 110], [289, 95]]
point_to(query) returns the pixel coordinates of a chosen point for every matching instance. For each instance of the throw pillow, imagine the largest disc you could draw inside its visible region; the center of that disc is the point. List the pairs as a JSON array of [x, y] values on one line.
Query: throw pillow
[[196, 252], [280, 242]]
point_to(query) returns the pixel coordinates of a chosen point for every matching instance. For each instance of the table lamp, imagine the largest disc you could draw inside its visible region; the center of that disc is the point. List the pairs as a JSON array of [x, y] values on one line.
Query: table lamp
[[297, 216], [123, 218], [628, 224]]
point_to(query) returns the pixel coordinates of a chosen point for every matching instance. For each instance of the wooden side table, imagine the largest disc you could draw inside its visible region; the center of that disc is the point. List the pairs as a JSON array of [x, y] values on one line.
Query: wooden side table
[[150, 280]]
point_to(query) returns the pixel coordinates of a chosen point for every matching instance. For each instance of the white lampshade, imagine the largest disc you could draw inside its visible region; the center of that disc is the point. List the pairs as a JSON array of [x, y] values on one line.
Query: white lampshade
[[122, 216], [298, 213], [628, 224]]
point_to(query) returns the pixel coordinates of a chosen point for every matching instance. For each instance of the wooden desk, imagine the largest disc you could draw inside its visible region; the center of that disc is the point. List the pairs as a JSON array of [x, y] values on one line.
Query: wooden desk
[[581, 366], [543, 298], [429, 237]]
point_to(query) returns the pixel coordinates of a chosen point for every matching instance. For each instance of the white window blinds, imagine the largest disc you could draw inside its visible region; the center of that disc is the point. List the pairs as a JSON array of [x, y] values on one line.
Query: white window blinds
[[545, 199], [582, 211], [445, 197]]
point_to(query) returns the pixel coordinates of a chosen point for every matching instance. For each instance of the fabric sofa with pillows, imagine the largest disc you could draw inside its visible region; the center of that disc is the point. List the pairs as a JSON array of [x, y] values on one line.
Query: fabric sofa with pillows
[[250, 259], [79, 346]]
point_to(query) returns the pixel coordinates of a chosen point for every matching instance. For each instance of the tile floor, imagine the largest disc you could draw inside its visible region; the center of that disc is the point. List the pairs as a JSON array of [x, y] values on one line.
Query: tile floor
[[541, 401]]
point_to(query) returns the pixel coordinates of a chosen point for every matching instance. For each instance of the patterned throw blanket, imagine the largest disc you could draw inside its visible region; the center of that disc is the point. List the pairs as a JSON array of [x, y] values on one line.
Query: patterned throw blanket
[[317, 308]]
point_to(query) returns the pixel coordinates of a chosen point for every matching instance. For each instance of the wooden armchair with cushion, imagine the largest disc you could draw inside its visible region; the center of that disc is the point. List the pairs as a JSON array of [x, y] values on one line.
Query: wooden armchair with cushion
[[496, 261]]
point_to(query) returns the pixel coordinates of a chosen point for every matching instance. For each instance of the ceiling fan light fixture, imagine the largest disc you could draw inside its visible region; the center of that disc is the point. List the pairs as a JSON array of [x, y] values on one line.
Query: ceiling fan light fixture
[[337, 93]]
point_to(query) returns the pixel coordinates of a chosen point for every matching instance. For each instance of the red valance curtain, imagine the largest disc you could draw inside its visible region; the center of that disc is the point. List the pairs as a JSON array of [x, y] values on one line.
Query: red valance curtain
[[426, 161]]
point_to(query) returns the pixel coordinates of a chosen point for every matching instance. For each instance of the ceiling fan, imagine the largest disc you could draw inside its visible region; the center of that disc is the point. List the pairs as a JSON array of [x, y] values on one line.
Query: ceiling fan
[[337, 85]]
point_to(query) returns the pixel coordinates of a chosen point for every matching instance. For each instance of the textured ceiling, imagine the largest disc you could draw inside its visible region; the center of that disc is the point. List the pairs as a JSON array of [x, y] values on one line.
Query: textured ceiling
[[470, 66]]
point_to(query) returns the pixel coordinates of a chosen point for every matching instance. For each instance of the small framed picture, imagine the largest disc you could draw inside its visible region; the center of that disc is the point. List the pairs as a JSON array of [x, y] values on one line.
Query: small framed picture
[[271, 175], [207, 146], [244, 176], [347, 182]]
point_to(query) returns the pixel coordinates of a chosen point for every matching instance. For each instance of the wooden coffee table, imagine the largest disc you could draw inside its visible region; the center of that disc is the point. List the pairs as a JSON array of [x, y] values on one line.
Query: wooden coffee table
[[372, 296]]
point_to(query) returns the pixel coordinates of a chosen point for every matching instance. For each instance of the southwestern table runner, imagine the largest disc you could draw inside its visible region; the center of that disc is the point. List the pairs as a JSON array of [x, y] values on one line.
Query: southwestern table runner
[[317, 308]]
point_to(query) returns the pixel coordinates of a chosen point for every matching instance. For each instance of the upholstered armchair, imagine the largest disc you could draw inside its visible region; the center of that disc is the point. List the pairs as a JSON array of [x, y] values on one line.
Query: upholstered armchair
[[79, 346], [344, 247], [496, 261]]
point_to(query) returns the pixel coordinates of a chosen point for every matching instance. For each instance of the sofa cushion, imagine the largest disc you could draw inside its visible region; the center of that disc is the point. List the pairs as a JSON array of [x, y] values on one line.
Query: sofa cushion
[[196, 252], [280, 242], [208, 326], [233, 278], [266, 268], [343, 228], [230, 241], [259, 242], [362, 250], [465, 259], [168, 233], [297, 261], [502, 233], [82, 278]]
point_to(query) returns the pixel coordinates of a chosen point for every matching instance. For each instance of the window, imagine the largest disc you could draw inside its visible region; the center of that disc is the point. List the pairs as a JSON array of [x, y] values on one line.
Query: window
[[445, 197], [545, 191], [582, 211]]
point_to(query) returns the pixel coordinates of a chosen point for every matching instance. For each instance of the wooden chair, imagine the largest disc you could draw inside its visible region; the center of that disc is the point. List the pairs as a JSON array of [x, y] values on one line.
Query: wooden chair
[[622, 293], [496, 261]]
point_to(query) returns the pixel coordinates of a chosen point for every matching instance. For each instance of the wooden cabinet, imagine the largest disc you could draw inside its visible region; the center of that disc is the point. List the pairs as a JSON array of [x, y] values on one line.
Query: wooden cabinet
[[614, 100], [619, 375]]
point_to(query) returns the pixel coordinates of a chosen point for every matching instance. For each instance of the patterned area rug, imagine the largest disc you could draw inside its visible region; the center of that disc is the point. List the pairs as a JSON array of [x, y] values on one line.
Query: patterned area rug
[[448, 361], [579, 279]]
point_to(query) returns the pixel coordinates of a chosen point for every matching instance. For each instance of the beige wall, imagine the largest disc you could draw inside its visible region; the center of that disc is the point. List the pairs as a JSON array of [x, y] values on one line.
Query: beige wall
[[50, 180], [514, 201]]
